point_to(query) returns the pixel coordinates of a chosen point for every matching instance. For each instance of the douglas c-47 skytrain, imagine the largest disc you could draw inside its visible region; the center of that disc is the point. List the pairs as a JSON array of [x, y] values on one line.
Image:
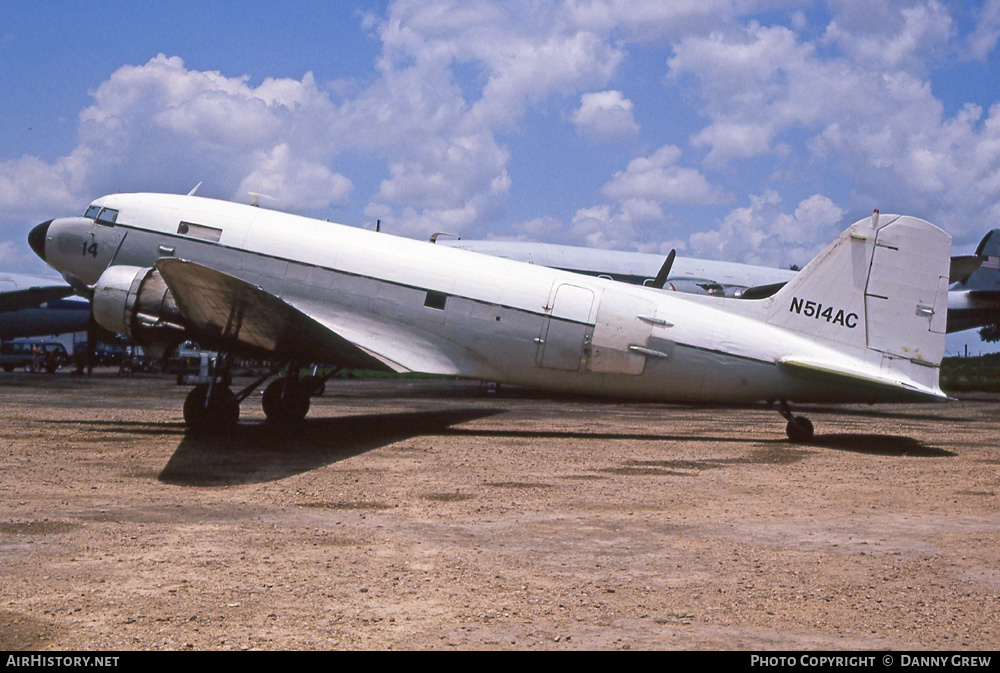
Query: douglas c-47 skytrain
[[863, 322]]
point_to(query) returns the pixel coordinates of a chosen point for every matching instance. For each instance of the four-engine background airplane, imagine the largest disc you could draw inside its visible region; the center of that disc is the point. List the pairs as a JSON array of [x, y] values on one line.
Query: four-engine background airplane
[[863, 322], [973, 299]]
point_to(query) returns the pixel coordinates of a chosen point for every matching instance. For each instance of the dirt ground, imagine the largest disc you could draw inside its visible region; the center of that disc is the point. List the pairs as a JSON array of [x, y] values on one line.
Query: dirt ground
[[427, 515]]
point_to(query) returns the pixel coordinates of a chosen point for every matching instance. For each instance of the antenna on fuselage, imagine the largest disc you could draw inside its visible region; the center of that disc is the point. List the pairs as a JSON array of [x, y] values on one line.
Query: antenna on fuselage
[[256, 196], [191, 193]]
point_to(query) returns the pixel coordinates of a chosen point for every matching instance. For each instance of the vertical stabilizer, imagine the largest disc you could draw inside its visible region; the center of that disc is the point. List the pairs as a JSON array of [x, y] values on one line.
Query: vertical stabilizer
[[881, 286], [987, 277]]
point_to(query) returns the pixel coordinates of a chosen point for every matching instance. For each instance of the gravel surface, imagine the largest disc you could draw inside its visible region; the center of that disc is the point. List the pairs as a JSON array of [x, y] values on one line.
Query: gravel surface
[[428, 515]]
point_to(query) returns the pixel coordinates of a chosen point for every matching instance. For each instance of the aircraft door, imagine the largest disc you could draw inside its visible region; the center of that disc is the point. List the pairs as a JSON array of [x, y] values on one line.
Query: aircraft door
[[567, 331]]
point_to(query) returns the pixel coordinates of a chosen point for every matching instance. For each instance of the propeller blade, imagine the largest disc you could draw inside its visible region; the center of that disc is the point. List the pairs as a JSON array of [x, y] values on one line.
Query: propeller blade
[[664, 272]]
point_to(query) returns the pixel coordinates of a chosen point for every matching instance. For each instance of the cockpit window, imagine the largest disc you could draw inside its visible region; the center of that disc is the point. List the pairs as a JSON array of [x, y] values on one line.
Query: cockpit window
[[107, 216], [92, 212]]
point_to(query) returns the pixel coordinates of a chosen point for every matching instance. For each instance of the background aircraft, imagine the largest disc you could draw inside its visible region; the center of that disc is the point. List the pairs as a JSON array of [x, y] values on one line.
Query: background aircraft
[[863, 322], [973, 300], [39, 305]]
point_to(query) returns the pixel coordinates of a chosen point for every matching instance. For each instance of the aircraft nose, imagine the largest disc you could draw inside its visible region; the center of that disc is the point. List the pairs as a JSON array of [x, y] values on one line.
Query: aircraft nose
[[36, 238]]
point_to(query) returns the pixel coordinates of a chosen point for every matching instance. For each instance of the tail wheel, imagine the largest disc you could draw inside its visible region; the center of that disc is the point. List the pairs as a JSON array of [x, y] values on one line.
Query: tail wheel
[[799, 429]]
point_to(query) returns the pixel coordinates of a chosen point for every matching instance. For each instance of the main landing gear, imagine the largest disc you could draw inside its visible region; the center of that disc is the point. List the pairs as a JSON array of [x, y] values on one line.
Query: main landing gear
[[214, 406], [799, 428]]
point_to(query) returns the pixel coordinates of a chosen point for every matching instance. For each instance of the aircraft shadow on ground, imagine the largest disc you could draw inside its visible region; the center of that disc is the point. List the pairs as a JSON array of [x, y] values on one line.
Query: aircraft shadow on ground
[[881, 445], [878, 445], [261, 452]]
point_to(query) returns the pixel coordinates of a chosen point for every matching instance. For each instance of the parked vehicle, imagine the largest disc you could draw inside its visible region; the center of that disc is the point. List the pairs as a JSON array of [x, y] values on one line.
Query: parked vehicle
[[31, 354]]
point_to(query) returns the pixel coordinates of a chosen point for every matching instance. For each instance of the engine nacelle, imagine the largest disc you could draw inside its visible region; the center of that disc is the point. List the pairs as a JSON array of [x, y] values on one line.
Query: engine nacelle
[[136, 302]]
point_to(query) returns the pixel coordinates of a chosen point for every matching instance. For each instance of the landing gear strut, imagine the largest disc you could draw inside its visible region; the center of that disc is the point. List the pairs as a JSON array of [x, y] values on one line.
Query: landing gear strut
[[799, 428], [213, 406]]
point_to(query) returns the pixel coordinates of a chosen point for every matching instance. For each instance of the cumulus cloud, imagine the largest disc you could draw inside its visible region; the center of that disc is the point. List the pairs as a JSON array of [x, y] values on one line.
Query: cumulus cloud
[[841, 91], [605, 115], [877, 120], [300, 184], [163, 124], [762, 234], [987, 31], [891, 35], [659, 178]]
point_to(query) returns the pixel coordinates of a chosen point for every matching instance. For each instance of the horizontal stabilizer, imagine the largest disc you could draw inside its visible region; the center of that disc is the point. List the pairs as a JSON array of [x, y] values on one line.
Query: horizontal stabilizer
[[826, 373], [761, 291]]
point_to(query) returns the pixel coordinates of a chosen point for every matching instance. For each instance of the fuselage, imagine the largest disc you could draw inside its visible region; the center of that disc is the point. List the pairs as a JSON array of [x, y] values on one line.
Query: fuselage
[[966, 309], [484, 317], [703, 276]]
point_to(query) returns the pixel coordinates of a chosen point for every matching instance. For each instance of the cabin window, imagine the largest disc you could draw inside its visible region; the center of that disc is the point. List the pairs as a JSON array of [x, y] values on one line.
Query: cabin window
[[107, 216], [199, 231], [436, 300]]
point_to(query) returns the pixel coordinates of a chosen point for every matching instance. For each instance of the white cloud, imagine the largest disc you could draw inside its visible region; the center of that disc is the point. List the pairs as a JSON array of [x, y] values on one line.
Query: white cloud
[[987, 31], [872, 116], [299, 184], [161, 123], [658, 177], [436, 126], [8, 254], [893, 36], [605, 115], [652, 20], [762, 234]]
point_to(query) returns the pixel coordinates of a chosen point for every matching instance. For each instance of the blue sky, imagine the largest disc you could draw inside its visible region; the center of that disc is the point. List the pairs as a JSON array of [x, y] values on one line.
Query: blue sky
[[728, 129]]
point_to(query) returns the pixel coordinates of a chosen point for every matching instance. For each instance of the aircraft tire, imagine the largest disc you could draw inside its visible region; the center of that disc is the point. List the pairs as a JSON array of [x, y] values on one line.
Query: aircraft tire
[[799, 429], [285, 406], [222, 412]]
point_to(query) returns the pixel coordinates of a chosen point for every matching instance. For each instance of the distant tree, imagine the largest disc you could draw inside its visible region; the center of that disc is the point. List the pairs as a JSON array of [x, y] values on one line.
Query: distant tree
[[795, 267], [990, 333]]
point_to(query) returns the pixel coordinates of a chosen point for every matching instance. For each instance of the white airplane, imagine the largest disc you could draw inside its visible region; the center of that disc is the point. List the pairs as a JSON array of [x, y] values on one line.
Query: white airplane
[[35, 305], [973, 299], [863, 322]]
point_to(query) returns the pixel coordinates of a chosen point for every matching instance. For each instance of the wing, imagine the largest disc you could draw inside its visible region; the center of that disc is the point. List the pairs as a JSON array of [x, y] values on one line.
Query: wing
[[232, 314], [15, 300]]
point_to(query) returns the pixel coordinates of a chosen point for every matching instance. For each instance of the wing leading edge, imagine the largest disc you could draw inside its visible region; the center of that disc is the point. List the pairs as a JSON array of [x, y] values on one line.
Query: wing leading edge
[[245, 318]]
